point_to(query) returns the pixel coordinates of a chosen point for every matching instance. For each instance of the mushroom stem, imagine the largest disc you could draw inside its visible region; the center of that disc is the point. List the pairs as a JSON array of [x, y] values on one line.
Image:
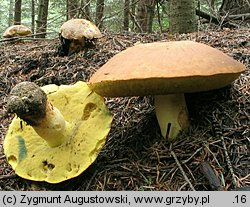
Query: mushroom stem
[[30, 104], [52, 127], [172, 114]]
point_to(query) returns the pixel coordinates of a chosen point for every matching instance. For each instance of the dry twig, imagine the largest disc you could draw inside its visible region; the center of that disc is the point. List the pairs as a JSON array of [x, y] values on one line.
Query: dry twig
[[182, 171]]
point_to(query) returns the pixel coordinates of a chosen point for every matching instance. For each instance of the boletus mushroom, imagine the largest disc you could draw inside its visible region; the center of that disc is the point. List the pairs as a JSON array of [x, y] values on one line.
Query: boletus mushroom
[[74, 33], [166, 70], [58, 131], [16, 30]]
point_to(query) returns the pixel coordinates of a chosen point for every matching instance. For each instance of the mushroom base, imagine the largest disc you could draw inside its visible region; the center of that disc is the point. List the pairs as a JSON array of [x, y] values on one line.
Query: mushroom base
[[69, 47], [172, 114]]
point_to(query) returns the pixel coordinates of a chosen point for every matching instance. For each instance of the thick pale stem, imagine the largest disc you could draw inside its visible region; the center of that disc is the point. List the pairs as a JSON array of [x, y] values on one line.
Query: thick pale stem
[[172, 114], [52, 127], [76, 46], [30, 104]]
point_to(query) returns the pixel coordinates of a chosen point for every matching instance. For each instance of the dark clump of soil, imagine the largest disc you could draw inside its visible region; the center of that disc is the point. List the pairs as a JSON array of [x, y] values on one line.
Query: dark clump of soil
[[213, 155]]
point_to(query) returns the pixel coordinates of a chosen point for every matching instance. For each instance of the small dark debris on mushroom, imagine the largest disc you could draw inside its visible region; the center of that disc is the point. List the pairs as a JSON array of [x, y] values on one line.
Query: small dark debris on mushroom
[[28, 102]]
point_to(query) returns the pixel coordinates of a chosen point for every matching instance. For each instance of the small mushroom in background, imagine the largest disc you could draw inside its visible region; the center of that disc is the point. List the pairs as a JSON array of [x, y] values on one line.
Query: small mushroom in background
[[16, 30], [75, 32], [57, 136], [166, 70]]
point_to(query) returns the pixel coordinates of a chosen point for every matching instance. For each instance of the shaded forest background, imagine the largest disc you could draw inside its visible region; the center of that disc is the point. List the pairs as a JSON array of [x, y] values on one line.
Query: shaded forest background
[[123, 15]]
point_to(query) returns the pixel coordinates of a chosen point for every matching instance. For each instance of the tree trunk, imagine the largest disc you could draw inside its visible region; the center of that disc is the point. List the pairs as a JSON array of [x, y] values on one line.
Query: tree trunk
[[182, 17], [39, 16], [18, 12], [42, 17], [72, 6], [151, 14], [233, 7], [99, 12], [132, 13], [141, 16], [85, 9], [11, 12], [145, 15], [33, 16], [159, 15], [211, 4], [126, 15]]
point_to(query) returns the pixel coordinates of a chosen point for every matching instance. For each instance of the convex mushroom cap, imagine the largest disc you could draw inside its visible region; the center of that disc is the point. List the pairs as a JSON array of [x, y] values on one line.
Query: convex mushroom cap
[[75, 31], [53, 149], [78, 29], [163, 68], [16, 30]]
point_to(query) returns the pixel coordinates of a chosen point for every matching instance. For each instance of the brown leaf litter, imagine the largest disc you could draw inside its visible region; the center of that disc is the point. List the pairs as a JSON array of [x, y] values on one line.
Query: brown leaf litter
[[135, 156]]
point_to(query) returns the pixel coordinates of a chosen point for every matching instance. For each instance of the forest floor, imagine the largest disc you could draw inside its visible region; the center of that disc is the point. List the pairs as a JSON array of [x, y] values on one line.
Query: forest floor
[[135, 156]]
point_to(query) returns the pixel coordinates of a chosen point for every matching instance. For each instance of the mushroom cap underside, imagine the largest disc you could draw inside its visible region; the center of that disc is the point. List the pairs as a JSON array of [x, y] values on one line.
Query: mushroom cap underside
[[16, 30], [79, 29], [32, 158], [164, 68]]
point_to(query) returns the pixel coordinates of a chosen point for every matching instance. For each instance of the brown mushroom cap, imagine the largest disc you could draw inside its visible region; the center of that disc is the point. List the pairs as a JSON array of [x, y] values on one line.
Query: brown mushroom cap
[[164, 68], [17, 30], [78, 29]]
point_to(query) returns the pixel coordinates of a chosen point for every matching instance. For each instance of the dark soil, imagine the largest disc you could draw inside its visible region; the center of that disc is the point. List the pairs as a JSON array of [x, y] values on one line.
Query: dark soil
[[213, 155]]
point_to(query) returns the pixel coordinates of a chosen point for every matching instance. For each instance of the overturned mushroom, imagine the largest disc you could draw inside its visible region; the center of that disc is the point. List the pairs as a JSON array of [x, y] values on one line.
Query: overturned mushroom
[[58, 135], [74, 33], [166, 70], [16, 30]]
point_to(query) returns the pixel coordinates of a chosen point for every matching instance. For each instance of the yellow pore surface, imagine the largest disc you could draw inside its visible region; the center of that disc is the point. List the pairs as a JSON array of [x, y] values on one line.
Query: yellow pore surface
[[88, 124]]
